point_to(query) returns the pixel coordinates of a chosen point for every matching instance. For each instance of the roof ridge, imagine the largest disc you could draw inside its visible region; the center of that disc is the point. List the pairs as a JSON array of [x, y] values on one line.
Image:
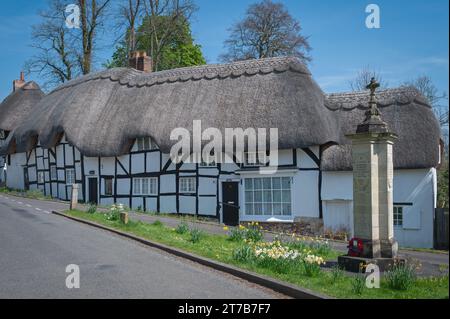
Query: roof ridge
[[348, 101], [135, 78]]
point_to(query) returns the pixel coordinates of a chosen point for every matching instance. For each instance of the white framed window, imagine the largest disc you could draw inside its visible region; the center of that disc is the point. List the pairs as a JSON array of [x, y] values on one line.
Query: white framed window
[[255, 158], [70, 176], [145, 144], [41, 178], [268, 196], [53, 173], [187, 184], [398, 216], [145, 186]]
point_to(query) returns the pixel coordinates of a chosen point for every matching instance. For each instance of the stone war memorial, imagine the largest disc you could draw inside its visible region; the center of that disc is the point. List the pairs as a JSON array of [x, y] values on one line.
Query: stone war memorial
[[372, 145]]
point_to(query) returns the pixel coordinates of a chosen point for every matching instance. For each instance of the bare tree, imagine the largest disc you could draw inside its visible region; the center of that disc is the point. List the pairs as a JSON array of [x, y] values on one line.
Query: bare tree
[[162, 20], [56, 58], [426, 86], [92, 14], [363, 78], [268, 30]]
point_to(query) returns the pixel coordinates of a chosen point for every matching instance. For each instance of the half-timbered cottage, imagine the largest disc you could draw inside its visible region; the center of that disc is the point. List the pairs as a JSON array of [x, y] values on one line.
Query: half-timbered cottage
[[110, 132]]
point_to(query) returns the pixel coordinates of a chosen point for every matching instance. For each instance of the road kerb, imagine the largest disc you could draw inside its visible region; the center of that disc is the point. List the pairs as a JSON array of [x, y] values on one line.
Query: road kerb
[[276, 285]]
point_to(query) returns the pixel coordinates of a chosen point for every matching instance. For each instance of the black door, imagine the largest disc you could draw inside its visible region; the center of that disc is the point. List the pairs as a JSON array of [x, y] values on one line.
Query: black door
[[93, 198], [26, 179], [230, 203]]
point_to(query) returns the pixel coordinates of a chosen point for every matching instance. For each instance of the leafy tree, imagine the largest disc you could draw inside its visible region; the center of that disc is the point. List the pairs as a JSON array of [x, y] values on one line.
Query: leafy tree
[[268, 30], [179, 49], [442, 174]]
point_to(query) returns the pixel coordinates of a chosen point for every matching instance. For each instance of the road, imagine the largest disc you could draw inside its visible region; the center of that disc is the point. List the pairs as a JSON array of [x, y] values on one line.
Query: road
[[36, 246]]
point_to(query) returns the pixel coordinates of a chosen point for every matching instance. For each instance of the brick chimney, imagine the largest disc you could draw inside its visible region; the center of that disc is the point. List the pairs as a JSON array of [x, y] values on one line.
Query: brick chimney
[[17, 84], [140, 61]]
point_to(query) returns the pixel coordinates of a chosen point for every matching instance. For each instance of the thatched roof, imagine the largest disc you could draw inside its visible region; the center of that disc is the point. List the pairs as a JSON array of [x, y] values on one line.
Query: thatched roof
[[407, 114], [18, 105], [102, 113]]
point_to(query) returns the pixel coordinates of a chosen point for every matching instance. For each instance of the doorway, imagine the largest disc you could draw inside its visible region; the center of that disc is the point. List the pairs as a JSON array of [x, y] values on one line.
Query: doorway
[[230, 203], [93, 190]]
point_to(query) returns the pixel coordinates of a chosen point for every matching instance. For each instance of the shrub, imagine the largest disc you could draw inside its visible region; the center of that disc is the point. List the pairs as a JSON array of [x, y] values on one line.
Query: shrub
[[358, 283], [91, 209], [196, 235], [401, 276], [157, 223], [114, 212], [243, 253], [182, 228], [337, 273], [236, 234], [311, 265], [253, 232]]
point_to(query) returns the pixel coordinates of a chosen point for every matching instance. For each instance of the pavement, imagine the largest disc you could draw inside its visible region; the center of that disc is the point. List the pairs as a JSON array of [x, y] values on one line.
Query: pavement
[[432, 264], [37, 246]]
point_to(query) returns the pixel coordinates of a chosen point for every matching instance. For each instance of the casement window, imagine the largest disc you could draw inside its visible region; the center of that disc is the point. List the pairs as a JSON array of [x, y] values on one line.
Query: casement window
[[398, 216], [145, 144], [145, 186], [108, 184], [255, 159], [187, 185], [41, 178], [53, 173], [268, 196], [70, 176]]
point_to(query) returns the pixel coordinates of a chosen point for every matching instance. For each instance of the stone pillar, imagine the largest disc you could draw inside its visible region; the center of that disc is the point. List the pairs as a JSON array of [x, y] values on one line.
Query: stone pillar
[[373, 183], [372, 193], [74, 200]]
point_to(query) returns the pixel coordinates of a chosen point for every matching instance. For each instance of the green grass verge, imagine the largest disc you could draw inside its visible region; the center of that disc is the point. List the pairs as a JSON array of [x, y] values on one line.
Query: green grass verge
[[33, 194], [218, 248]]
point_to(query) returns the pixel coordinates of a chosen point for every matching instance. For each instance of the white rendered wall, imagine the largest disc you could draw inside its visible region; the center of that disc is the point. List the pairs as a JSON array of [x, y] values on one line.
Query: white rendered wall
[[415, 186]]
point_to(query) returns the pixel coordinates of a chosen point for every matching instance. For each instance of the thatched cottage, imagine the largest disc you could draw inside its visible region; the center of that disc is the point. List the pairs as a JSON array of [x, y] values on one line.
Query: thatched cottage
[[109, 132]]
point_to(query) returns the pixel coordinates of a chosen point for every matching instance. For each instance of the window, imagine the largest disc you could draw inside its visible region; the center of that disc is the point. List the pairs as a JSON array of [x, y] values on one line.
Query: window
[[268, 196], [70, 176], [53, 173], [211, 160], [145, 186], [108, 186], [398, 216], [255, 158], [145, 144], [41, 178], [187, 185]]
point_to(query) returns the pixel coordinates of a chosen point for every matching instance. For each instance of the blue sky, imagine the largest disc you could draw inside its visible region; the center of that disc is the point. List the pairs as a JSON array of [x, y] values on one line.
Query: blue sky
[[412, 40]]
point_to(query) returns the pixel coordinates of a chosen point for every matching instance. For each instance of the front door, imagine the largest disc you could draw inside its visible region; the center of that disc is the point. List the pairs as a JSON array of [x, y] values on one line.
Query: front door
[[230, 203], [93, 186], [26, 179]]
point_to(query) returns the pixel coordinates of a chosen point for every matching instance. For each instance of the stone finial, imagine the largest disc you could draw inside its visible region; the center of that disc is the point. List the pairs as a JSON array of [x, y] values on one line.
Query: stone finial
[[373, 122]]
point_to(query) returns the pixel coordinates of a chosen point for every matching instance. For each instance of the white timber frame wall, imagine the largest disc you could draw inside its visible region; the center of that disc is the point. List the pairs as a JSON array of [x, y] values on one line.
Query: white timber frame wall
[[72, 167], [313, 193]]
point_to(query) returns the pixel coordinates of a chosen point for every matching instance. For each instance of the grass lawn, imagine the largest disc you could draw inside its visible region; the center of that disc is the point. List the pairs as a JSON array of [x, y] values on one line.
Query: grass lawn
[[220, 248]]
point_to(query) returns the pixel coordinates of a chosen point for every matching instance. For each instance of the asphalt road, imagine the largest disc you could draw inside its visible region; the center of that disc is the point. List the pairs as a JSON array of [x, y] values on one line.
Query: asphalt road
[[36, 247]]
